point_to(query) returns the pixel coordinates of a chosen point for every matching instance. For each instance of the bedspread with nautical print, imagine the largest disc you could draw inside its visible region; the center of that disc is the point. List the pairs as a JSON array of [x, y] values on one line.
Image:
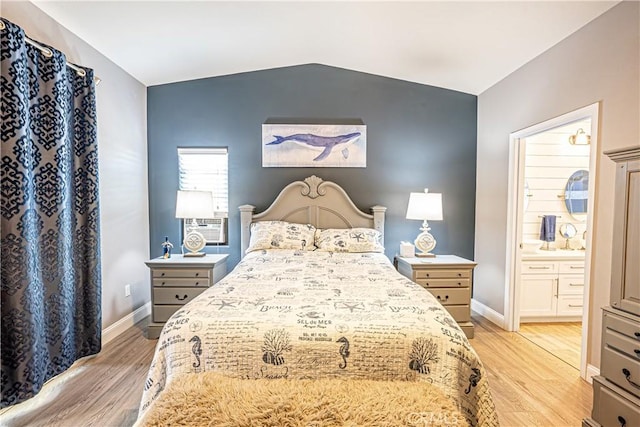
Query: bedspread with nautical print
[[311, 314]]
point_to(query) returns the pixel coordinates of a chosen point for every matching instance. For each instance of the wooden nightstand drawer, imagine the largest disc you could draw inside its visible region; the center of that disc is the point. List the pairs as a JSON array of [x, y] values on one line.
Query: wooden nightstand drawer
[[442, 274], [162, 313], [162, 296], [452, 296], [449, 278], [444, 283], [182, 272], [460, 313], [175, 281]]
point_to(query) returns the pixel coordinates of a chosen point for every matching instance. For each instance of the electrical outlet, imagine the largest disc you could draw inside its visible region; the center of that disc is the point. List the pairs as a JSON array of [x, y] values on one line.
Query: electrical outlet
[[127, 290]]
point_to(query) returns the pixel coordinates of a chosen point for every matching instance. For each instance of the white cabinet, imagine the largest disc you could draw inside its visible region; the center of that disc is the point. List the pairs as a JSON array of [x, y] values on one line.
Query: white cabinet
[[551, 290]]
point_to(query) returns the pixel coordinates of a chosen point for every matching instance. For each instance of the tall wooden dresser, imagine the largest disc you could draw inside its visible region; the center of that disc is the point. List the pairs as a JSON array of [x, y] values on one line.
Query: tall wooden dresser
[[616, 392]]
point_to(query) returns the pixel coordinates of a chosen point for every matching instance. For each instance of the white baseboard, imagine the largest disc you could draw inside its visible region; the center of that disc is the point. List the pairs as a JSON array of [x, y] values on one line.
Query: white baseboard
[[592, 371], [488, 313], [125, 323]]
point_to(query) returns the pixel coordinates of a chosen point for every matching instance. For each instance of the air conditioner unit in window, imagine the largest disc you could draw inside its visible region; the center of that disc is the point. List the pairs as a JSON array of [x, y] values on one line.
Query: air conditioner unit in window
[[213, 230]]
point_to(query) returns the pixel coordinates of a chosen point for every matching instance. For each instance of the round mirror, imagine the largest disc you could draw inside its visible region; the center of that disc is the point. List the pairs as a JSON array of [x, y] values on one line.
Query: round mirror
[[567, 230], [576, 194]]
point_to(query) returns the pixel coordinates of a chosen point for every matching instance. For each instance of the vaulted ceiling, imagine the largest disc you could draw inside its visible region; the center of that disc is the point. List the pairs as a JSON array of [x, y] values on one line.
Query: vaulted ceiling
[[466, 46]]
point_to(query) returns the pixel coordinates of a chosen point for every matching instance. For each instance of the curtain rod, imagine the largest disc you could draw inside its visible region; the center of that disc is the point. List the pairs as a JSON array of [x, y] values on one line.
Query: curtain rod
[[47, 52]]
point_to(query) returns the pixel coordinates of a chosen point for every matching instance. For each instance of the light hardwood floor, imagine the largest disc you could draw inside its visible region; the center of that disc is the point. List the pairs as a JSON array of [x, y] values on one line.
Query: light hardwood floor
[[563, 340], [530, 387]]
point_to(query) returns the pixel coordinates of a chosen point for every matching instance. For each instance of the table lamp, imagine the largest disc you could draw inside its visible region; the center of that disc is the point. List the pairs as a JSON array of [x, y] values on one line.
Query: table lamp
[[425, 206], [191, 204]]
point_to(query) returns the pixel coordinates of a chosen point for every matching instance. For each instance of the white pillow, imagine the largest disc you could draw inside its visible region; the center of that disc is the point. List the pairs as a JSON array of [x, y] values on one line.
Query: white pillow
[[281, 235], [348, 240]]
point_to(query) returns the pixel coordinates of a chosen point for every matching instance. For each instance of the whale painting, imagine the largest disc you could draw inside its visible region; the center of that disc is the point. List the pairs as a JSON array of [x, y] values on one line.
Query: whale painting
[[288, 145]]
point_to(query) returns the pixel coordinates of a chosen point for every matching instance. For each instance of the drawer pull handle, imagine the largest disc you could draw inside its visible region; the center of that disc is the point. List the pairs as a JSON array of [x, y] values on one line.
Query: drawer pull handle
[[446, 297], [163, 283], [627, 375], [575, 305], [459, 274], [637, 334], [162, 275], [576, 284], [543, 267], [197, 274], [637, 352], [427, 274], [197, 283], [576, 266], [622, 421], [183, 298], [459, 283]]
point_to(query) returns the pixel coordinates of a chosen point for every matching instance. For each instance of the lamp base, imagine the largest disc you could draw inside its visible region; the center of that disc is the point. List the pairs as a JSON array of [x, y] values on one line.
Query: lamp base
[[425, 243], [425, 255], [194, 254]]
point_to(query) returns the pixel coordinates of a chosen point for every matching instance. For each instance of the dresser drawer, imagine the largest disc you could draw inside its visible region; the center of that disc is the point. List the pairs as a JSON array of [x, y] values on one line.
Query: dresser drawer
[[182, 272], [177, 281], [461, 313], [571, 285], [613, 408], [621, 370], [442, 274], [452, 296], [539, 267], [572, 267], [444, 283], [622, 343], [622, 325], [181, 296], [162, 313]]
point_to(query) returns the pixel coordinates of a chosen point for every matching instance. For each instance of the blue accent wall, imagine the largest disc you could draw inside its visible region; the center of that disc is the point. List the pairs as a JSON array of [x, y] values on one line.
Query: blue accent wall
[[417, 136]]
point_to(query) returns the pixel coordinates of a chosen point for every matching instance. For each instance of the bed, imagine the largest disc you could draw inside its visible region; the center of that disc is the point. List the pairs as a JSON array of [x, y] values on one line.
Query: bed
[[315, 298]]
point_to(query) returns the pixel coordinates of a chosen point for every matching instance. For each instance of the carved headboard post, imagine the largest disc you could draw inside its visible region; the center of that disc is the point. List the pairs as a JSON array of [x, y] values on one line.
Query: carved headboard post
[[246, 214], [378, 220]]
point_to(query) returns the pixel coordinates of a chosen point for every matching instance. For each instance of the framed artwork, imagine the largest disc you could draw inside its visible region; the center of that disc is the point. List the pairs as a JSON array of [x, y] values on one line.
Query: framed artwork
[[314, 145]]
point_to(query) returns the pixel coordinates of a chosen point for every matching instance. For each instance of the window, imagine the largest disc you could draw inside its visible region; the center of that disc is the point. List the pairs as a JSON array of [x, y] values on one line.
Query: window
[[206, 169]]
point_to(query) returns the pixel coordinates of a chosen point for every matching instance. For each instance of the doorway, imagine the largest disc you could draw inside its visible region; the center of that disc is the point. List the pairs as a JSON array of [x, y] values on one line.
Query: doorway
[[548, 275]]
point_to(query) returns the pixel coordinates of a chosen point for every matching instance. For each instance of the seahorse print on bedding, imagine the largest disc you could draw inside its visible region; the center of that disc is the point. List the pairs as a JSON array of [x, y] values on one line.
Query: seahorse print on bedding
[[474, 378], [196, 350], [344, 351]]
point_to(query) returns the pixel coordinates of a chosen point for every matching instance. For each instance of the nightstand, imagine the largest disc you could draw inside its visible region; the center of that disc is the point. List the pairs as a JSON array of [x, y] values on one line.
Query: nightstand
[[449, 278], [177, 280]]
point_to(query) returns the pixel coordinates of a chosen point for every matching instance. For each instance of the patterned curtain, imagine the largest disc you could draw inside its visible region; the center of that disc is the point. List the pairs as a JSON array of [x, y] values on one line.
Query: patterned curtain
[[50, 252]]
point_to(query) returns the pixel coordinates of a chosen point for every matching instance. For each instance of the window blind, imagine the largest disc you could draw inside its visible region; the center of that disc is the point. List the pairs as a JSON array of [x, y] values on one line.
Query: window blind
[[206, 169]]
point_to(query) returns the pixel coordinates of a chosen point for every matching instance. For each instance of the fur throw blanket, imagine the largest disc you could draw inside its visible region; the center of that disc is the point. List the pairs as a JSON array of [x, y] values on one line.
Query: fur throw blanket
[[210, 399]]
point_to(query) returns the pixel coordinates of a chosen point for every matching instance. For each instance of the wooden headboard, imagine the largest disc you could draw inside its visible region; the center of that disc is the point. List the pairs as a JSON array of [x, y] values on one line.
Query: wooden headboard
[[323, 204]]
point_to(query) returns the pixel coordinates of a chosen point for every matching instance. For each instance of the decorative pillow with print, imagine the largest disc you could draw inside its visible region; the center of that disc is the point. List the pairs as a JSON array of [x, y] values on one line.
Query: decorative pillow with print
[[348, 240], [281, 235]]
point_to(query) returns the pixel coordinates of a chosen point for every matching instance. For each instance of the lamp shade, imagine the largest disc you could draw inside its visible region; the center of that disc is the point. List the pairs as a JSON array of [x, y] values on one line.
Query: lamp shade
[[194, 204], [425, 206]]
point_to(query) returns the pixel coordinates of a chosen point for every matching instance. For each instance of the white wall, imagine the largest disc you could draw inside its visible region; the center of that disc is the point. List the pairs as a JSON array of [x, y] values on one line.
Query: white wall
[[598, 63], [122, 155], [550, 161]]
